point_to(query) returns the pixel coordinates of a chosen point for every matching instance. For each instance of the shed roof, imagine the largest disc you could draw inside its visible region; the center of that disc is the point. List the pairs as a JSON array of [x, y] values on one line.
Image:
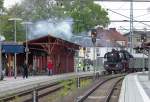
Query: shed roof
[[50, 39]]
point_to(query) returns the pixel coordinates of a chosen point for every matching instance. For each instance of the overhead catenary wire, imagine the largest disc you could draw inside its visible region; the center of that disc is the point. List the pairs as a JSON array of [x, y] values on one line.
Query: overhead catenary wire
[[142, 15], [128, 17]]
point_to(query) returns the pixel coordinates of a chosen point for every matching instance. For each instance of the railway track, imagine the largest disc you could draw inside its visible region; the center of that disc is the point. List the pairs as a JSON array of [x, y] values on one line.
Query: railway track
[[35, 94], [103, 91]]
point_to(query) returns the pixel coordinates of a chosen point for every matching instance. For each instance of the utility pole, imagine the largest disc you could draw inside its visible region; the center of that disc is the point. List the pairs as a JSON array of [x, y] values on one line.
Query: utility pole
[[93, 36], [131, 26]]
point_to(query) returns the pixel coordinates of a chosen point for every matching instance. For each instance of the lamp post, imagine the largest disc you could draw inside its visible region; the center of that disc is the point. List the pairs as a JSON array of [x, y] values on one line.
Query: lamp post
[[15, 26], [26, 30], [93, 36]]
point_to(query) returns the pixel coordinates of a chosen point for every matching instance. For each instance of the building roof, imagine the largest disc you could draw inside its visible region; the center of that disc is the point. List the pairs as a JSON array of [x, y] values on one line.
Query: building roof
[[137, 33], [110, 35], [86, 41], [51, 39]]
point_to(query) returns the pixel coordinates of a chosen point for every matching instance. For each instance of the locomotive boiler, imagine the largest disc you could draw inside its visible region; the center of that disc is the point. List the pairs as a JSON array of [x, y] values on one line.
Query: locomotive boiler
[[117, 61]]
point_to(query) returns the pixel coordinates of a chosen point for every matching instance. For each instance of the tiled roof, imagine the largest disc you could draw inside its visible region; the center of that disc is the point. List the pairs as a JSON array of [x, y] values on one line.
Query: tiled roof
[[111, 35]]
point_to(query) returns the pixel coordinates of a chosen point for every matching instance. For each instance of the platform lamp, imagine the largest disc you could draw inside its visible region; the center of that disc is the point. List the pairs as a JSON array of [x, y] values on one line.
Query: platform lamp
[[26, 30], [15, 27], [93, 37]]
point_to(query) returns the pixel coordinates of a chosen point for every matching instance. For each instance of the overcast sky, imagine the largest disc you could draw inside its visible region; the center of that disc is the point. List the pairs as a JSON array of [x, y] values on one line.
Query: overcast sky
[[141, 12], [8, 3]]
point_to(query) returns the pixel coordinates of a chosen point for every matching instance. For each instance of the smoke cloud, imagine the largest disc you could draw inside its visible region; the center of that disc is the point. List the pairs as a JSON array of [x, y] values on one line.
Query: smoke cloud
[[61, 29]]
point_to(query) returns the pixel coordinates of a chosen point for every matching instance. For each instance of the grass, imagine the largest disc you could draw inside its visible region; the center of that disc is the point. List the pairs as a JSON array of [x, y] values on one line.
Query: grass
[[70, 86]]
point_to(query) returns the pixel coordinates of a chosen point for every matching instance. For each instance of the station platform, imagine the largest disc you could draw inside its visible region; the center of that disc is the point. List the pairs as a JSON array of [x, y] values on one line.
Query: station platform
[[135, 88], [10, 86]]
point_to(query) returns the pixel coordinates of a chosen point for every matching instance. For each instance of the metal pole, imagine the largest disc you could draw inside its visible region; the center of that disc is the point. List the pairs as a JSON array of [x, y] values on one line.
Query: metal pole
[[15, 69], [15, 55], [143, 62], [1, 74], [149, 64], [26, 43], [26, 24], [131, 25], [94, 61], [78, 79], [84, 64]]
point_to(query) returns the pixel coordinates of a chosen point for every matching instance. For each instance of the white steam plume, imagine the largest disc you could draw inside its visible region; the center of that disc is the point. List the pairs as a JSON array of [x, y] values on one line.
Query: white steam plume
[[62, 29]]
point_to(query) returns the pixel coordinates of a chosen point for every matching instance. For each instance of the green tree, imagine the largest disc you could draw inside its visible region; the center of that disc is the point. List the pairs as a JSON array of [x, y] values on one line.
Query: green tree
[[2, 4], [7, 29], [85, 13]]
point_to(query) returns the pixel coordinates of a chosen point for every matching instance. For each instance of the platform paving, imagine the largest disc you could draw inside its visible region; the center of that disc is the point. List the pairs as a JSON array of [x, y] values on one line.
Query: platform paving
[[11, 86], [135, 88]]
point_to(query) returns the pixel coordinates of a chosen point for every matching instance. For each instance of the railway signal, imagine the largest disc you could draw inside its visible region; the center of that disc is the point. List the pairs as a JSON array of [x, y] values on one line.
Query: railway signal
[[94, 35]]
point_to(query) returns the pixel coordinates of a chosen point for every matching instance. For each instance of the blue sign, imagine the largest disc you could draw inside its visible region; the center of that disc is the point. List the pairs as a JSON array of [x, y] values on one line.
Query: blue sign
[[13, 49]]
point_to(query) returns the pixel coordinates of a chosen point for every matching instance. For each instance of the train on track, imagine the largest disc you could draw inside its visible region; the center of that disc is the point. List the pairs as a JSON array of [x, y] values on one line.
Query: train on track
[[117, 61]]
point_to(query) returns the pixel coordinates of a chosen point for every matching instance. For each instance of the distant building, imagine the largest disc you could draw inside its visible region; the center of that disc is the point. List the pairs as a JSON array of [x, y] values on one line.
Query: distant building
[[136, 39], [106, 40], [111, 36]]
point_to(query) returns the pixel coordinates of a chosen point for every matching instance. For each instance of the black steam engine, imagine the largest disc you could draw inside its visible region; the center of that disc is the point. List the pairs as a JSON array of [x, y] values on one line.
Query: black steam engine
[[117, 61]]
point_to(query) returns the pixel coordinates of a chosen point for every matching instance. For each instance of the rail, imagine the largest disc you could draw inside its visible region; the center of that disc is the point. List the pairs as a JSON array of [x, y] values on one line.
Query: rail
[[91, 90], [40, 86]]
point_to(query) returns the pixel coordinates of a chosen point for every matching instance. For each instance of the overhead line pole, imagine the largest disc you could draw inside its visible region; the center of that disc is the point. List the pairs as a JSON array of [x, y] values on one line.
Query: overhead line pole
[[127, 21], [131, 25]]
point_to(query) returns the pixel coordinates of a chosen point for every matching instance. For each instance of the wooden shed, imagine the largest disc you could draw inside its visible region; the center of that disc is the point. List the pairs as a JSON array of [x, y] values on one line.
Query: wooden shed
[[61, 53]]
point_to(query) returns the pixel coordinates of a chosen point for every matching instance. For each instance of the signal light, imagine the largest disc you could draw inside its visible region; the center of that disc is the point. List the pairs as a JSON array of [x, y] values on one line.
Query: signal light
[[94, 33]]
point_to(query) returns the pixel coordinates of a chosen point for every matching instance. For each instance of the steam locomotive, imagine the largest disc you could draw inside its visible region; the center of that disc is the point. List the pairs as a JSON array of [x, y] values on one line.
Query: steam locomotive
[[117, 61]]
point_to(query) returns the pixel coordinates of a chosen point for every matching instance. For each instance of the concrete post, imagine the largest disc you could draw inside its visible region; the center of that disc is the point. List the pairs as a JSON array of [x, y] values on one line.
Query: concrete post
[[78, 82]]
